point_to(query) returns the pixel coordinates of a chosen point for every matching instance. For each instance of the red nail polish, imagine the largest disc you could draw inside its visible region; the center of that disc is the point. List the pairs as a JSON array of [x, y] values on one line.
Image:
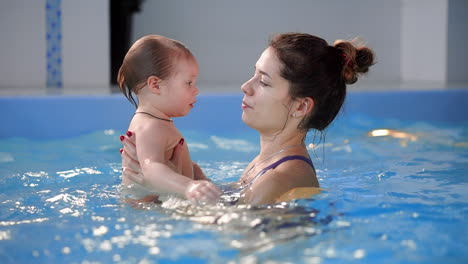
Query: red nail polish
[[122, 138], [121, 150], [129, 133], [181, 142]]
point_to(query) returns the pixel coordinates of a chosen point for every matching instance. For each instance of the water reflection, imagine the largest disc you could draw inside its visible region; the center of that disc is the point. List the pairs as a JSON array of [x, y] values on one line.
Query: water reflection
[[251, 228]]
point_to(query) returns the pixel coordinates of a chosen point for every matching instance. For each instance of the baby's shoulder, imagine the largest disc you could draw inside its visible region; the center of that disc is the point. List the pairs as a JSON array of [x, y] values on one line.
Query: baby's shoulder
[[152, 125], [156, 129]]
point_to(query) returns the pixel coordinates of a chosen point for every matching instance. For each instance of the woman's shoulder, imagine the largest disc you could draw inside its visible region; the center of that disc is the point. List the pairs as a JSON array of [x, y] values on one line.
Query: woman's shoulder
[[298, 171], [286, 176]]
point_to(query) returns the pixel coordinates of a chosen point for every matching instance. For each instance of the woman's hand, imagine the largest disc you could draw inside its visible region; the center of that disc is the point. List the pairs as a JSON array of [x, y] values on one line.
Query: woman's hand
[[131, 169]]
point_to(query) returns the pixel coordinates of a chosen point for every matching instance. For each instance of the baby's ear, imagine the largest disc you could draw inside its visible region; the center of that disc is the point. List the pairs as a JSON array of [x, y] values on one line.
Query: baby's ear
[[153, 83]]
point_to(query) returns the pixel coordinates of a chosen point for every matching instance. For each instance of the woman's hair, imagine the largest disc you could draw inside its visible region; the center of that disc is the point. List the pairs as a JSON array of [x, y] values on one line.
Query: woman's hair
[[151, 55], [315, 69]]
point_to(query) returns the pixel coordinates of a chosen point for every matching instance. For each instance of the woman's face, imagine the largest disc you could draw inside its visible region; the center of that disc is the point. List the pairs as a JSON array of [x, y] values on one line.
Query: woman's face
[[266, 103]]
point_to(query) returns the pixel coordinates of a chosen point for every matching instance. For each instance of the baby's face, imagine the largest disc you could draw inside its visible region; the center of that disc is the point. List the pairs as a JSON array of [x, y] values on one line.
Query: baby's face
[[181, 87]]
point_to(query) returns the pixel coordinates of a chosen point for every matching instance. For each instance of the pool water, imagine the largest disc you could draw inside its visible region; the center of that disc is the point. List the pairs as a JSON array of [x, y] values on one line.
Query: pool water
[[396, 198]]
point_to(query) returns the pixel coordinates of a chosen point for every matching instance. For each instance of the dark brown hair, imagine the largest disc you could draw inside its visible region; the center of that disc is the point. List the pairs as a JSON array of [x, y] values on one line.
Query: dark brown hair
[[315, 69], [151, 55]]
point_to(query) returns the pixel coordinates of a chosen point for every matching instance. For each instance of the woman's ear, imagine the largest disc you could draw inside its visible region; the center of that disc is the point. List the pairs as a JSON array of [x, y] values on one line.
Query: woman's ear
[[153, 84], [304, 107]]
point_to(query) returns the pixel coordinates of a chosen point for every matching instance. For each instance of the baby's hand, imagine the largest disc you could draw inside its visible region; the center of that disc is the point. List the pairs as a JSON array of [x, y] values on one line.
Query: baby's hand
[[202, 191]]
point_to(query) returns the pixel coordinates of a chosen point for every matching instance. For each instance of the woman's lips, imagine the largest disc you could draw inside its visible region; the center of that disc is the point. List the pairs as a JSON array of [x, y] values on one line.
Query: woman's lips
[[245, 105]]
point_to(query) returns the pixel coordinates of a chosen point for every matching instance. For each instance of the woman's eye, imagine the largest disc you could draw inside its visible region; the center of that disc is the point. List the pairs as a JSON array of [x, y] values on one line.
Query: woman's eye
[[263, 84]]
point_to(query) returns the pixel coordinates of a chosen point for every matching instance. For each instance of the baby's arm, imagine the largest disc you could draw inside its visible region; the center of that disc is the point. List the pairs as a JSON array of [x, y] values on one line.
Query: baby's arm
[[156, 174], [198, 173]]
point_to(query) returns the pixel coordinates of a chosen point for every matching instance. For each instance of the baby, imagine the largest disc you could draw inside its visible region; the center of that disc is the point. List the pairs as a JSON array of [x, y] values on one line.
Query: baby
[[162, 73]]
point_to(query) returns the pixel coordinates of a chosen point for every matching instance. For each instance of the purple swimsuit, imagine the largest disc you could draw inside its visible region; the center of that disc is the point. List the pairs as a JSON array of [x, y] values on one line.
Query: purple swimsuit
[[232, 194]]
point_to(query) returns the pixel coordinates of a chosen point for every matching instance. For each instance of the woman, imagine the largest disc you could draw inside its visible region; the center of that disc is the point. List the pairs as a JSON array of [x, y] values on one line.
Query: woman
[[299, 84]]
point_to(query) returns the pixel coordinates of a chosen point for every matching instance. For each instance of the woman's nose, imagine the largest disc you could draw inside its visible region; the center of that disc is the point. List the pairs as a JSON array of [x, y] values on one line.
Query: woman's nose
[[247, 87]]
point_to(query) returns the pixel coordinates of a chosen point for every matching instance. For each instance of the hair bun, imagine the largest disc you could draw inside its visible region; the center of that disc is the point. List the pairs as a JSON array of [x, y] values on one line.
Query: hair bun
[[357, 58]]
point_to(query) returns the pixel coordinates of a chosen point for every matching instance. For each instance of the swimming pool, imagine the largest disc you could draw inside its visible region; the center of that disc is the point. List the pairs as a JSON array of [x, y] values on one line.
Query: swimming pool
[[392, 196]]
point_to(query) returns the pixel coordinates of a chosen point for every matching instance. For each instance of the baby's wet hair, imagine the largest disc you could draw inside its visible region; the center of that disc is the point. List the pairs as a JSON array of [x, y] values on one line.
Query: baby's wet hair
[[151, 55]]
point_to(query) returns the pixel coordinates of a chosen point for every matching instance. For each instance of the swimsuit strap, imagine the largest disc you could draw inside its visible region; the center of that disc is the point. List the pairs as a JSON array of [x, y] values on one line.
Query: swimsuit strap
[[284, 159]]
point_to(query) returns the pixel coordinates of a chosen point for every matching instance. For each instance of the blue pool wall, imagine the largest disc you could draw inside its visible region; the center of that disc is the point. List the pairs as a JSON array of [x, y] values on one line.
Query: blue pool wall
[[48, 117]]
